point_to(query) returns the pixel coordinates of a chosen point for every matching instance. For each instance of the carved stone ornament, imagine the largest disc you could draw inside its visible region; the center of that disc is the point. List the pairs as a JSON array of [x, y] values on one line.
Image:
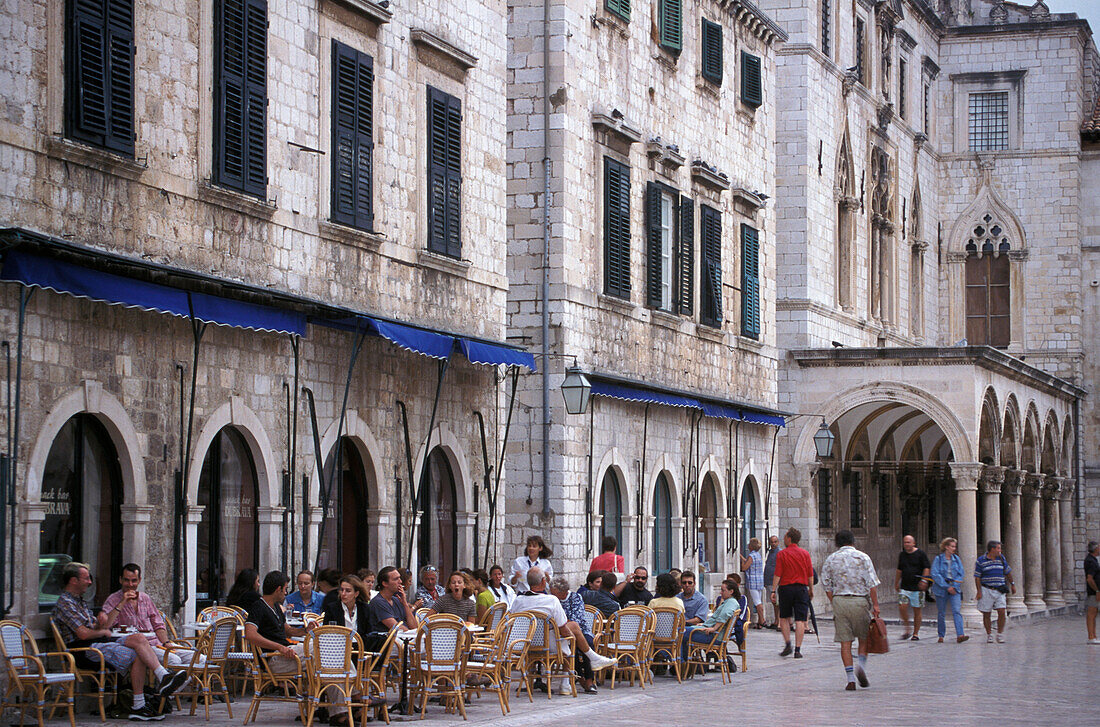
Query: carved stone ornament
[[1033, 485], [992, 479], [1013, 482]]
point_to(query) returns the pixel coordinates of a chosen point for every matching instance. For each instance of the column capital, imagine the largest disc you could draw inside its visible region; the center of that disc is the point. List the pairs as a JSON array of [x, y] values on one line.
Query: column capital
[[966, 474], [269, 514], [1033, 484], [1051, 487], [1013, 482], [1069, 484], [991, 479]]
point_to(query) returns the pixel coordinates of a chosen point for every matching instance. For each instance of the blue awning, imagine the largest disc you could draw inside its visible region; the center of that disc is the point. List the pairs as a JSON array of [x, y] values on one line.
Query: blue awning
[[721, 411], [754, 417], [646, 396], [491, 354], [81, 282], [417, 340]]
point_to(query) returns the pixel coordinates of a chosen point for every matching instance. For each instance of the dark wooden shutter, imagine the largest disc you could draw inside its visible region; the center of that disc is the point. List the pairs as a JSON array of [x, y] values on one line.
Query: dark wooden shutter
[[685, 262], [620, 8], [988, 317], [256, 97], [100, 73], [444, 173], [710, 223], [752, 90], [750, 282], [352, 136], [653, 266], [240, 134], [670, 17], [616, 184], [712, 52]]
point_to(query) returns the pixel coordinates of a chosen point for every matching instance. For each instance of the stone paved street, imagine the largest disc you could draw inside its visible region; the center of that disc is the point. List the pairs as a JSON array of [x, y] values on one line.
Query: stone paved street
[[1040, 677]]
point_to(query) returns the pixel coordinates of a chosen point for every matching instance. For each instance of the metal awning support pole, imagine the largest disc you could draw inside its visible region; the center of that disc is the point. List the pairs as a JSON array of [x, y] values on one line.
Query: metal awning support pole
[[198, 328], [685, 500], [24, 298], [771, 476], [487, 473], [588, 492], [319, 462], [295, 344], [5, 483], [427, 451], [178, 504], [641, 484], [500, 466], [412, 486]]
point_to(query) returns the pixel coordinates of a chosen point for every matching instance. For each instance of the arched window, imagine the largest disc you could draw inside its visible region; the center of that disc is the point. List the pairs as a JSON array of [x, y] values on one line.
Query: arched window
[[346, 536], [988, 317], [662, 527], [748, 513], [228, 540], [611, 509], [82, 494], [438, 525]]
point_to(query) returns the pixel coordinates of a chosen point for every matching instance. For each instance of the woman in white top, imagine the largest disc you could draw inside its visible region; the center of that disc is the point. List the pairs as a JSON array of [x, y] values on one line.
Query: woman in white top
[[537, 554]]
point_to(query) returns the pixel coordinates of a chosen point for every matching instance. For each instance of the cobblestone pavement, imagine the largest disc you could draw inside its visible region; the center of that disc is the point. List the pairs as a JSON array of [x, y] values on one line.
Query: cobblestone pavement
[[1045, 675]]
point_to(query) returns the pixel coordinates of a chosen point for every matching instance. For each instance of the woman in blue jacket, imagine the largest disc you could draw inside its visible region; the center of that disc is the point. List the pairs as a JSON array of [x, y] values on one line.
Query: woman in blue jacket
[[947, 580]]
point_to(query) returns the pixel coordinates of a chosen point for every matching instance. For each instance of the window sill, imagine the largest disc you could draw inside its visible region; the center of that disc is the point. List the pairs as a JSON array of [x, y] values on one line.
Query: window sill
[[442, 263], [93, 157], [351, 236], [750, 344], [614, 303], [236, 201], [373, 11], [702, 330], [706, 86], [666, 60], [665, 319], [611, 21]]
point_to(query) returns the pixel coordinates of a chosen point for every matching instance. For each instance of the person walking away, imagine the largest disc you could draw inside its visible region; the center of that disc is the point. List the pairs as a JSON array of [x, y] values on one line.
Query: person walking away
[[911, 581], [994, 580], [607, 559], [753, 565], [947, 578], [850, 582], [769, 575], [1092, 589], [794, 576]]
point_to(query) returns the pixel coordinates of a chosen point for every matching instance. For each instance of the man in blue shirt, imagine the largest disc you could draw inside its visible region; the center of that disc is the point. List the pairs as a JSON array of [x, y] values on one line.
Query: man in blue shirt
[[305, 599], [993, 579], [695, 603]]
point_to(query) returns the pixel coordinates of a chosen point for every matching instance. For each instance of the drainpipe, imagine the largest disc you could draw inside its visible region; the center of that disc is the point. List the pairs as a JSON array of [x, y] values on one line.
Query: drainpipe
[[545, 257]]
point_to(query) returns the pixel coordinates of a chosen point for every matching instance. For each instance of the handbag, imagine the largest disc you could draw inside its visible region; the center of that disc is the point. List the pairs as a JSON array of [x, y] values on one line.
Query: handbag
[[877, 640]]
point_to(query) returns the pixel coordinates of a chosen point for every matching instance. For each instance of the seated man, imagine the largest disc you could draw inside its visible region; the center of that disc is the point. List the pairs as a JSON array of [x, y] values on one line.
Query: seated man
[[539, 601], [78, 628], [729, 607], [429, 588], [130, 607], [573, 605], [598, 592], [634, 590], [305, 599], [695, 603], [266, 626]]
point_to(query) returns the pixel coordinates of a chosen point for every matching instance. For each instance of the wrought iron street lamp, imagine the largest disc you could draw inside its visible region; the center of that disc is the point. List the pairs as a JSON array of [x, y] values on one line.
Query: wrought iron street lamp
[[823, 441], [576, 389]]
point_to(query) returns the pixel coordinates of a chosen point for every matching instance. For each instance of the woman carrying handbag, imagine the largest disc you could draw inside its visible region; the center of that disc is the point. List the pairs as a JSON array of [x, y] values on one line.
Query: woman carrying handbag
[[947, 580]]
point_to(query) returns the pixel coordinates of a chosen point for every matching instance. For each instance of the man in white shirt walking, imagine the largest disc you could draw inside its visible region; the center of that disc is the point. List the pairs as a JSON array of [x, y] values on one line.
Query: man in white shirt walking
[[851, 582]]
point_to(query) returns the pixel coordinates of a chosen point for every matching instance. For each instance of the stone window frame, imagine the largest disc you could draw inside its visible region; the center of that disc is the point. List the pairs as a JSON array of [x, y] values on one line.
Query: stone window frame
[[964, 84]]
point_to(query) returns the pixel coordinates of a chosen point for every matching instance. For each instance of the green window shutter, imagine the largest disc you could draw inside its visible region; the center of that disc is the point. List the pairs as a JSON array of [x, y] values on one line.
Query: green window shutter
[[620, 8], [444, 173], [352, 136], [616, 199], [750, 282], [240, 100], [99, 83], [712, 52], [752, 88], [710, 224], [653, 244], [670, 21], [685, 262]]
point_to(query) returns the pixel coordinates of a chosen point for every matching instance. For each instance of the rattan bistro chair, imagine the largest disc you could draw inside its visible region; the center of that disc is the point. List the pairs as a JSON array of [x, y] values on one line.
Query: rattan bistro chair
[[439, 662], [29, 682], [90, 666], [501, 657], [208, 664], [275, 686], [331, 653], [549, 654], [700, 652], [627, 642], [375, 669], [668, 638]]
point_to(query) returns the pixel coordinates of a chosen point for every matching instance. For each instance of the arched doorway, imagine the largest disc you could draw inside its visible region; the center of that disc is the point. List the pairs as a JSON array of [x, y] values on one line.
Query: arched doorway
[[347, 537], [82, 496], [438, 542], [708, 524], [749, 514], [662, 526], [227, 537], [611, 509]]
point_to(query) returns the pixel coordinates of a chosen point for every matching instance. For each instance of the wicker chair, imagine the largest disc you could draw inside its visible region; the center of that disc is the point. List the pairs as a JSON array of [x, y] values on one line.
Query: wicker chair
[[668, 638], [374, 671], [273, 686], [549, 654], [208, 664], [28, 679], [438, 663], [91, 666], [627, 642], [700, 652], [501, 657], [594, 620], [331, 651], [494, 617]]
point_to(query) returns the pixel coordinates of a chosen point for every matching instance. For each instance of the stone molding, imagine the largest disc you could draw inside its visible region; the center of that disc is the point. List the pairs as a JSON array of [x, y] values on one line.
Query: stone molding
[[992, 479], [966, 474], [376, 12], [432, 42]]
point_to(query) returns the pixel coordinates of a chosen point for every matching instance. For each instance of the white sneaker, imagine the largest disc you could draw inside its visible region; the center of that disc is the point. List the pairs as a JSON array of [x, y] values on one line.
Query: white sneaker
[[1095, 642], [1000, 638], [564, 690], [599, 661], [989, 639]]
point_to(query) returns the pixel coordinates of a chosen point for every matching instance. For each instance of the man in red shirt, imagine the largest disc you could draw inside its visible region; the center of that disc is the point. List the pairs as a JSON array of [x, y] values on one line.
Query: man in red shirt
[[607, 560], [793, 588]]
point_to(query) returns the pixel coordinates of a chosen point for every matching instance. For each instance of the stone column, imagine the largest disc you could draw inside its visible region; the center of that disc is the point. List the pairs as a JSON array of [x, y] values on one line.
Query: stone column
[[990, 484], [1033, 542], [1013, 537], [966, 496], [1065, 512], [1052, 544]]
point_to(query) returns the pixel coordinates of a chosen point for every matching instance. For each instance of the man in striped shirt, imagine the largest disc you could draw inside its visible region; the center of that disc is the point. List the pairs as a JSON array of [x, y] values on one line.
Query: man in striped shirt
[[994, 580]]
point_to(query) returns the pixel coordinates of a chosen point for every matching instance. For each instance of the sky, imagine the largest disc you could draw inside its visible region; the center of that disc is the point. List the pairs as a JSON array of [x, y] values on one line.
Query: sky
[[1087, 9]]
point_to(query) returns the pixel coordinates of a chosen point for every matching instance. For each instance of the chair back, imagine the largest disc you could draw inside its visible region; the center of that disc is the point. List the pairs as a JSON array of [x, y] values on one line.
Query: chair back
[[518, 631], [14, 641], [494, 617], [308, 618], [331, 650], [58, 642], [629, 626], [441, 642], [211, 614], [217, 641], [668, 624]]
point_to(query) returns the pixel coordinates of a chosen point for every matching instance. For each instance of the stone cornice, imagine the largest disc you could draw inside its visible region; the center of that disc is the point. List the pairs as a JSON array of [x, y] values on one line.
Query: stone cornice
[[432, 42], [755, 20]]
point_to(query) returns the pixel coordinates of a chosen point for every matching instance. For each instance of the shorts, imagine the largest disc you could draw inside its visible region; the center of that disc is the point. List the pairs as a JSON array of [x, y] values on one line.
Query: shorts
[[794, 600], [757, 596], [914, 599], [991, 600], [119, 657], [851, 618]]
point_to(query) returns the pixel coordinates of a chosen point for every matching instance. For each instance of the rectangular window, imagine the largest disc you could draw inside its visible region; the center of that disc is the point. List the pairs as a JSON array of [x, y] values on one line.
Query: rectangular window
[[903, 69], [616, 228], [885, 504], [352, 137], [444, 173], [710, 226], [861, 65], [99, 73], [988, 121], [752, 82], [750, 282], [620, 8], [685, 264], [824, 498], [240, 95], [670, 29], [926, 101], [712, 52], [855, 498], [826, 11], [661, 246]]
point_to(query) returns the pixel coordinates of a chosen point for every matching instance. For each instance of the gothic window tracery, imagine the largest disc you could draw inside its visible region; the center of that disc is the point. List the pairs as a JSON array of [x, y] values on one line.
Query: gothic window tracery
[[882, 232], [845, 210]]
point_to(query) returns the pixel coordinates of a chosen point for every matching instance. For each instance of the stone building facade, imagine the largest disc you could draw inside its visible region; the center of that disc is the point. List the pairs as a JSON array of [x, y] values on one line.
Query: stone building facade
[[325, 182], [930, 295], [653, 177]]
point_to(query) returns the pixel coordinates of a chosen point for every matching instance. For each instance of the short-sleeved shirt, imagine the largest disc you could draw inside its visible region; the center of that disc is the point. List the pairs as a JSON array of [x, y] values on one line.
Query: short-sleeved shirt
[[632, 593], [673, 602], [269, 622], [464, 608], [429, 595], [756, 571], [70, 613], [573, 605], [608, 561], [1092, 568], [295, 602], [694, 607], [602, 600], [769, 566], [912, 567], [849, 572], [522, 564], [485, 599], [142, 614], [793, 565], [991, 571], [540, 603], [382, 609]]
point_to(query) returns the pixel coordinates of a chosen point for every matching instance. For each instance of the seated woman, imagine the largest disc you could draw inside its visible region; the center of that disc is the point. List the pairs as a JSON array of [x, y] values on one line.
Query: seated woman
[[598, 592], [245, 590], [729, 607], [350, 610], [483, 597], [456, 600], [667, 588]]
